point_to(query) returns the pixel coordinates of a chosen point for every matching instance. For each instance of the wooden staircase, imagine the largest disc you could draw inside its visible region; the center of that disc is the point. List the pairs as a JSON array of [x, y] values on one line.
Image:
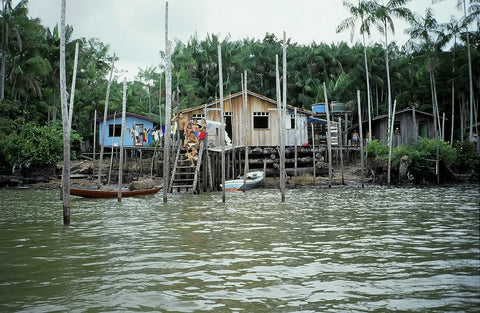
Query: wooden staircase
[[184, 176]]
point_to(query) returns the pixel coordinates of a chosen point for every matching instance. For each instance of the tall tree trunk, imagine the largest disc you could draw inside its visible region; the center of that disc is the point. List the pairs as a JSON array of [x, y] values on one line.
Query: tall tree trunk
[[389, 90], [4, 50], [470, 77], [369, 101], [453, 113], [65, 120]]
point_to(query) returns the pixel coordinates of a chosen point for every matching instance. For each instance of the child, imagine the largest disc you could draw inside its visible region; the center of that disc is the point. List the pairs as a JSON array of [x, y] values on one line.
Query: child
[[192, 156]]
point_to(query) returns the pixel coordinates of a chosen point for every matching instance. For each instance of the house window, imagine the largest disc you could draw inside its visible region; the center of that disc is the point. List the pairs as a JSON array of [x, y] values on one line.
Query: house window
[[261, 120], [396, 128], [227, 118], [292, 122], [138, 134], [198, 116], [114, 130]]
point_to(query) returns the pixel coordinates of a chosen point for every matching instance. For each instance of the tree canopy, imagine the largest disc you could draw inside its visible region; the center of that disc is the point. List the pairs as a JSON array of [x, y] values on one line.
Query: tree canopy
[[30, 63]]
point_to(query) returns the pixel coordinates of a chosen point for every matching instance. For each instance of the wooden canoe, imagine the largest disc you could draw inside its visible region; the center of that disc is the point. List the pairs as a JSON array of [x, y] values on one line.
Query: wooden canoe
[[98, 193]]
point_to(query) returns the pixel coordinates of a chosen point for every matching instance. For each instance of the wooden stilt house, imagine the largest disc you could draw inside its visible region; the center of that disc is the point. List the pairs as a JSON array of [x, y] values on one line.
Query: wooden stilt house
[[409, 125], [262, 117]]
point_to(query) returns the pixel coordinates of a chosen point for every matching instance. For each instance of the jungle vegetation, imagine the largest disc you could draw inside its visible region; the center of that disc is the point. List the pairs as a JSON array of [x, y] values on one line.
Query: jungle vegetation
[[430, 71]]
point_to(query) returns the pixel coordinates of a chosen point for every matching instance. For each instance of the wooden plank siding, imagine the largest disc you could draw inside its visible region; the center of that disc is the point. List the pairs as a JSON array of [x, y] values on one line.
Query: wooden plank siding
[[404, 120], [234, 107]]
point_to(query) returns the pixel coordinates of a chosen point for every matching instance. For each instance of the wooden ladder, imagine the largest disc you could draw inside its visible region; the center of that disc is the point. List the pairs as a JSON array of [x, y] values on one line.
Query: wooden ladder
[[183, 175]]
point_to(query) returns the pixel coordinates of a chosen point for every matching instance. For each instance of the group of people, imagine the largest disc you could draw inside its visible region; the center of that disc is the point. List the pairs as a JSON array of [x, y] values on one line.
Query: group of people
[[192, 133]]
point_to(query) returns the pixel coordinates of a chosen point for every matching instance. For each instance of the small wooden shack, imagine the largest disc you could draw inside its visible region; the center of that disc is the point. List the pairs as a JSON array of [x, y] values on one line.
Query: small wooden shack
[[409, 124], [139, 130], [263, 120]]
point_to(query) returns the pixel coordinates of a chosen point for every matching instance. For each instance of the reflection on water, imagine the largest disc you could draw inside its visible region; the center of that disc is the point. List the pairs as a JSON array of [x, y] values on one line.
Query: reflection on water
[[324, 250]]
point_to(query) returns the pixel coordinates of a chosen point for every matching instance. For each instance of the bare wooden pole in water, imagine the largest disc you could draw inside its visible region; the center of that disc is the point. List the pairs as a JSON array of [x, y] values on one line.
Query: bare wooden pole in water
[[168, 110], [453, 113], [313, 152], [94, 135], [65, 120], [245, 113], [72, 90], [340, 141], [122, 134], [111, 152], [329, 137], [296, 146], [280, 131], [72, 97], [104, 128], [282, 118], [222, 125], [361, 134], [390, 139]]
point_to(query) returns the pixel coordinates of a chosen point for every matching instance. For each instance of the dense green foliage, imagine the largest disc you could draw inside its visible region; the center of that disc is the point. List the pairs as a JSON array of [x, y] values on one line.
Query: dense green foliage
[[462, 158], [31, 82], [35, 145]]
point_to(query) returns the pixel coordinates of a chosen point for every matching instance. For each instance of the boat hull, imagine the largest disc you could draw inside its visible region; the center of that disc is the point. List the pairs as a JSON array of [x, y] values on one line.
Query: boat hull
[[253, 180], [91, 193]]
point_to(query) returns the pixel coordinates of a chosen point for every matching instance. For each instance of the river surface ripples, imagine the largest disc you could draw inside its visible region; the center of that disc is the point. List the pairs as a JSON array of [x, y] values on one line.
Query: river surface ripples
[[323, 250]]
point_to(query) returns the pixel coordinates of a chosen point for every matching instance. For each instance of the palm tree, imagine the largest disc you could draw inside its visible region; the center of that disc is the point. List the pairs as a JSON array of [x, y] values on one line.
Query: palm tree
[[359, 14], [474, 8], [10, 18], [432, 39], [382, 15]]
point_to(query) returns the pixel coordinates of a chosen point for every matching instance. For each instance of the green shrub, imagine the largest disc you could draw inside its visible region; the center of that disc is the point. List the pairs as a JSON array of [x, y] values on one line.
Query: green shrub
[[428, 149], [35, 145], [399, 152], [468, 159], [376, 149]]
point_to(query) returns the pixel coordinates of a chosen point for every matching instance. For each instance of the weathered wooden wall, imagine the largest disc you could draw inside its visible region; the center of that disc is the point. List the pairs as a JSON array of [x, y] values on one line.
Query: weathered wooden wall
[[407, 129], [270, 136]]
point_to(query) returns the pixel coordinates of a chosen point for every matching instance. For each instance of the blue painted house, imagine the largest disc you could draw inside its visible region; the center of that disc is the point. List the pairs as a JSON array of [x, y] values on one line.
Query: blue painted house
[[139, 130]]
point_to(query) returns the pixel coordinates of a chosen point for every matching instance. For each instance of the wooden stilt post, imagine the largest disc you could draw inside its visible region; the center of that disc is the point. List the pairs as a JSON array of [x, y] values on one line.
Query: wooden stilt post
[[104, 128], [340, 139], [453, 112], [361, 135], [390, 142], [94, 135], [168, 111], [122, 134], [65, 194], [282, 118], [222, 125], [313, 153], [246, 118], [296, 148], [329, 136], [280, 144]]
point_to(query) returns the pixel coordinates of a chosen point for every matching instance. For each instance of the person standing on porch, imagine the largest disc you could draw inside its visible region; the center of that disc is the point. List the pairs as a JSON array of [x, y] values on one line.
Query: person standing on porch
[[355, 138]]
